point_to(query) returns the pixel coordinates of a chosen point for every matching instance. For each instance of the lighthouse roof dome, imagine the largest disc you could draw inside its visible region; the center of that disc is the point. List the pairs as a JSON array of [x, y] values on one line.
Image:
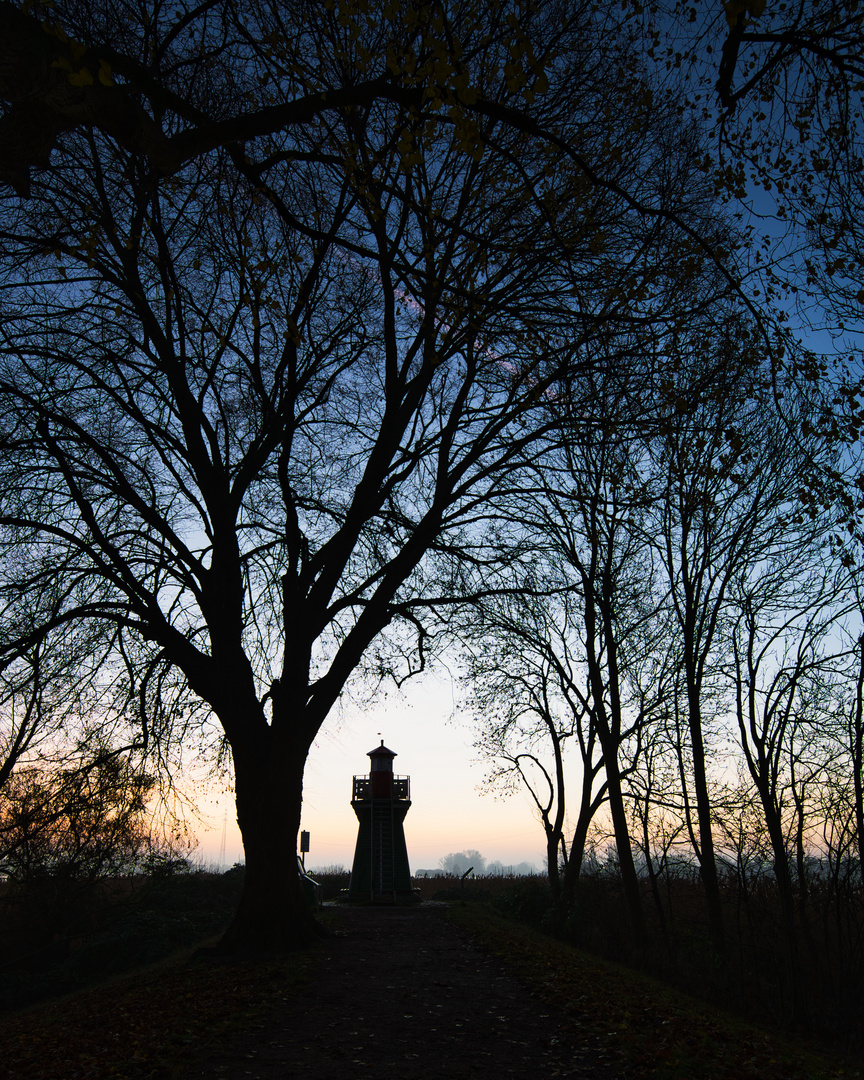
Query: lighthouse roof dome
[[381, 751]]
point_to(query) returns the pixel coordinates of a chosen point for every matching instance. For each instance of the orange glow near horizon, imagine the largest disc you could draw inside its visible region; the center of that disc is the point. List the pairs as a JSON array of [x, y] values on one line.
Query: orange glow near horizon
[[447, 814]]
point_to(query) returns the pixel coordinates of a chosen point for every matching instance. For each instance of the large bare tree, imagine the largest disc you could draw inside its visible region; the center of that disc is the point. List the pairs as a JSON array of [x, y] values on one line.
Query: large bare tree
[[282, 308]]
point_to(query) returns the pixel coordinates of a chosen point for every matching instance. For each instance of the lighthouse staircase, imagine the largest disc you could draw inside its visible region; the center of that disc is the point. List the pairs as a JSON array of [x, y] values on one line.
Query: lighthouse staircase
[[383, 857]]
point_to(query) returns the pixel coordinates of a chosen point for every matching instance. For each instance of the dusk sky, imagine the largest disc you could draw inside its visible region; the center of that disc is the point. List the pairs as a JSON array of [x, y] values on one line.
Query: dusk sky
[[448, 812]]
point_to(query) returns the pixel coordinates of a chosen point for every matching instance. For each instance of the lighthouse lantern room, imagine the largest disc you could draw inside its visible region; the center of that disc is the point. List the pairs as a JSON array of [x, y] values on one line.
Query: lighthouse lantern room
[[381, 800]]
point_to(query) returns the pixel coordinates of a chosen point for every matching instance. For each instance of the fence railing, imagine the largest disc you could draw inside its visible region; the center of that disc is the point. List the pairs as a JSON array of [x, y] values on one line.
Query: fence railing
[[362, 791]]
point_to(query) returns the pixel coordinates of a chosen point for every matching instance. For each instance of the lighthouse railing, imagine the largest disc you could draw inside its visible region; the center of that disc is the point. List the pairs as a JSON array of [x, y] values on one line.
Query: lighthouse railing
[[362, 789]]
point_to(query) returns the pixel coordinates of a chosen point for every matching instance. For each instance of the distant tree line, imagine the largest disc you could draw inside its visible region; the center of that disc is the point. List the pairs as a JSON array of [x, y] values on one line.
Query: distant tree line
[[458, 863]]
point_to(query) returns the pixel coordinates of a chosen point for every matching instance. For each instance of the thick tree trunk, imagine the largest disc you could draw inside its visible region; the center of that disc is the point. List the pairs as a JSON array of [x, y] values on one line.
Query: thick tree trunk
[[273, 915]]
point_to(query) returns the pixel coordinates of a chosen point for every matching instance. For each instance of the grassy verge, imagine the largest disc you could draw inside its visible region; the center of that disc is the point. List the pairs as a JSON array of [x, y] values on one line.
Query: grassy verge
[[639, 1028], [155, 1022], [148, 1024]]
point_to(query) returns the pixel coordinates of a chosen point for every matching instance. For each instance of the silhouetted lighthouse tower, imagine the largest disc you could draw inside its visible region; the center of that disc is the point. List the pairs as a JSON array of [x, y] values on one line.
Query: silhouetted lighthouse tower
[[381, 801]]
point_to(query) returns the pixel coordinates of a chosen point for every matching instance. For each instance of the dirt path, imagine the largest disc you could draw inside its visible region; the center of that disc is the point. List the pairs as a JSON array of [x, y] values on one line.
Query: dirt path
[[405, 994]]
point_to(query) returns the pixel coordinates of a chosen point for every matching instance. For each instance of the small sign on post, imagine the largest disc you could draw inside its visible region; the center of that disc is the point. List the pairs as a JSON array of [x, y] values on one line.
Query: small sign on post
[[304, 847]]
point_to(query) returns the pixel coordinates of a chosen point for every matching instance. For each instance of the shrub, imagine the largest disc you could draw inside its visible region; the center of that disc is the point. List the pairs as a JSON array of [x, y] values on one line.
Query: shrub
[[529, 900]]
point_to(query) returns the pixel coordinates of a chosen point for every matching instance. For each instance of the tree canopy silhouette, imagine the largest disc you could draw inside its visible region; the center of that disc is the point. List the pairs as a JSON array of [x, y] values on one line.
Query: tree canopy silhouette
[[287, 292]]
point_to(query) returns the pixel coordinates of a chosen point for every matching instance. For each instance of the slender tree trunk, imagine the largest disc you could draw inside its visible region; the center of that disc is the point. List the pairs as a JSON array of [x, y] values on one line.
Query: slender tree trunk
[[798, 796], [629, 877], [652, 875], [800, 1016], [856, 746], [576, 858], [706, 854], [555, 829], [608, 732], [589, 804], [553, 841], [573, 869]]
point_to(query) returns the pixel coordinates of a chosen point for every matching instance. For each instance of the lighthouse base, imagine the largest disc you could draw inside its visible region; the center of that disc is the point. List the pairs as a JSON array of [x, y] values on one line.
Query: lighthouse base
[[380, 873]]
